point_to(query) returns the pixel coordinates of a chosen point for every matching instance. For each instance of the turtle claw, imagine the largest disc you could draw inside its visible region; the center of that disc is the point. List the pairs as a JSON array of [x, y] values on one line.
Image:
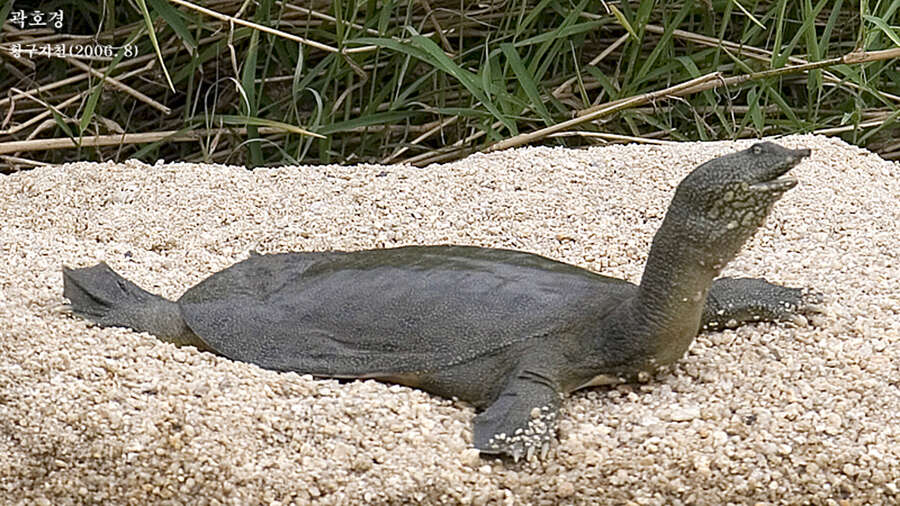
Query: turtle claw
[[814, 308], [798, 319], [812, 303], [809, 303], [521, 446], [60, 308]]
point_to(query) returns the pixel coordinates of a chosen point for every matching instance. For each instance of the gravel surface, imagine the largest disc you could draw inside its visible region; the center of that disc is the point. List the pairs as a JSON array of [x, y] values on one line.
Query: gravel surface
[[766, 413]]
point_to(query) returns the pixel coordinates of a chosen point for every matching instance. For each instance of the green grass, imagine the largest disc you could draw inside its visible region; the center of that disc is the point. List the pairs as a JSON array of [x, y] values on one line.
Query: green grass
[[391, 81]]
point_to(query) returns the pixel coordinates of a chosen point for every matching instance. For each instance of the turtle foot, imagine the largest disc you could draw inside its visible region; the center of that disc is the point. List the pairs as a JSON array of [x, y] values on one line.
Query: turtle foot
[[733, 302], [522, 422]]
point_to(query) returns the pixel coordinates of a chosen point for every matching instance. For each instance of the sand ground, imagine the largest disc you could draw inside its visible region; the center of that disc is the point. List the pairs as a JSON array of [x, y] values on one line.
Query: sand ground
[[763, 414]]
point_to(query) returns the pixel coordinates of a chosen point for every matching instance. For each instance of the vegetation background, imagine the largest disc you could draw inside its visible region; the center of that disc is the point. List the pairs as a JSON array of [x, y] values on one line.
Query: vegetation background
[[269, 82]]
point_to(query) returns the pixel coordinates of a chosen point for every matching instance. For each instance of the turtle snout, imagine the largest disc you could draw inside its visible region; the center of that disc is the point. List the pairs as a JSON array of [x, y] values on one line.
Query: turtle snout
[[799, 154], [793, 158]]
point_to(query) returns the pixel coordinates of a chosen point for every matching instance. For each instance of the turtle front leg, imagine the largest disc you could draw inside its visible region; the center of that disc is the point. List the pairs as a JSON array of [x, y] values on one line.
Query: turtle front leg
[[523, 419], [732, 302]]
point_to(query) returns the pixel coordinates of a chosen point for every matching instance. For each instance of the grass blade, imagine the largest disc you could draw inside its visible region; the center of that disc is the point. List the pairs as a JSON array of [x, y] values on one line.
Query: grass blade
[[142, 5], [174, 18], [526, 81], [624, 22], [884, 27]]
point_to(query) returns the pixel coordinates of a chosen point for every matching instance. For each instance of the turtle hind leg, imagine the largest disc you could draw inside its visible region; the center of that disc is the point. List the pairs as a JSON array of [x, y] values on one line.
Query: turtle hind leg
[[101, 295]]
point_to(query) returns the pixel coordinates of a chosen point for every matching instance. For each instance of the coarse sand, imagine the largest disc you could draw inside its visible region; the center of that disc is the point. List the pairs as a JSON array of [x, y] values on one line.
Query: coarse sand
[[766, 413]]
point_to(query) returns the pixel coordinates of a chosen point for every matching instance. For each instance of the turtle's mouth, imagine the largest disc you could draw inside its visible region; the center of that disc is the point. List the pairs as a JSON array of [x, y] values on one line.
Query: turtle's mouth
[[778, 181], [780, 184]]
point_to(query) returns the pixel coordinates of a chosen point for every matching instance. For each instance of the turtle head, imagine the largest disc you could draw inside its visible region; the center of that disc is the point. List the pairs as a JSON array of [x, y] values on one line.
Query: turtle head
[[719, 205], [715, 209]]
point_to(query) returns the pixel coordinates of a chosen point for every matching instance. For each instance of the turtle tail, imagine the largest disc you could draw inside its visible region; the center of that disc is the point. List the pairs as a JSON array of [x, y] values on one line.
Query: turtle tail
[[101, 295]]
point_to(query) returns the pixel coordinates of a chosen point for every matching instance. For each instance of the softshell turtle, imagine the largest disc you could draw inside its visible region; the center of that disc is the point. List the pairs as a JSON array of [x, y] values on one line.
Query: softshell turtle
[[508, 331]]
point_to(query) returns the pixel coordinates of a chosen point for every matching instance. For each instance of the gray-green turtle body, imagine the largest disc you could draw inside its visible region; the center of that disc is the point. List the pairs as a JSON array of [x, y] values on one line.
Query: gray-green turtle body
[[507, 331]]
